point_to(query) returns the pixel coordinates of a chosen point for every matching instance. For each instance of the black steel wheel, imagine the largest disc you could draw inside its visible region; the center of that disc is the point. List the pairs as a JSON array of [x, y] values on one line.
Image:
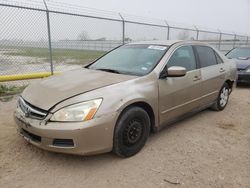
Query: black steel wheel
[[131, 132]]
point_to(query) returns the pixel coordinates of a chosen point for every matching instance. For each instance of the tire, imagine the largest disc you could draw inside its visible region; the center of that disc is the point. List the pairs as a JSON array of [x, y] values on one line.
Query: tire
[[131, 132], [222, 98]]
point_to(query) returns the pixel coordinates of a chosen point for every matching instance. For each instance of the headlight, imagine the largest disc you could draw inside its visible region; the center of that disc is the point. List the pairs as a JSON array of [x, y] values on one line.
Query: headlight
[[248, 69], [77, 112]]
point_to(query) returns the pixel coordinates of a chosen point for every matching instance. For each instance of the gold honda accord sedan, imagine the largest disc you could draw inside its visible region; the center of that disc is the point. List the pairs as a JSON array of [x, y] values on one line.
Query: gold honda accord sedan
[[115, 102]]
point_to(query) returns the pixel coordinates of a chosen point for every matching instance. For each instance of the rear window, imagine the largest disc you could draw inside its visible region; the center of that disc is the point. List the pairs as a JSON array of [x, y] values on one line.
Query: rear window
[[206, 56]]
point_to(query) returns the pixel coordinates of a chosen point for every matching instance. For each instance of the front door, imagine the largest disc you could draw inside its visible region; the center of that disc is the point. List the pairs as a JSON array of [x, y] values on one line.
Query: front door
[[178, 95]]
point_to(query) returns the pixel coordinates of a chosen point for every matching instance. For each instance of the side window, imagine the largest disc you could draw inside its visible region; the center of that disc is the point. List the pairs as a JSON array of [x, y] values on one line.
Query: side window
[[206, 56], [218, 58], [184, 57]]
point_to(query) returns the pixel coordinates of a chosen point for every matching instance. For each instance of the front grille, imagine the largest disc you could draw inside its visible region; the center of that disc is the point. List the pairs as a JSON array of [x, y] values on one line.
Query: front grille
[[240, 69], [30, 110], [31, 136]]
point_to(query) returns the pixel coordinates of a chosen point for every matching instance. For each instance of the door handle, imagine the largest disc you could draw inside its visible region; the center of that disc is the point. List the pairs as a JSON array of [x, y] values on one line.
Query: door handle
[[196, 78], [222, 70]]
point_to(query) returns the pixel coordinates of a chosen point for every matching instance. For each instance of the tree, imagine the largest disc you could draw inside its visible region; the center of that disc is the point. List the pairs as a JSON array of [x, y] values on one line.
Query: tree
[[127, 39], [183, 35], [83, 36]]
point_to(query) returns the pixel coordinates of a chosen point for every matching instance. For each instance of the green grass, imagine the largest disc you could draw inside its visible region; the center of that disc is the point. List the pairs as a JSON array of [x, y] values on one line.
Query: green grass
[[10, 90], [59, 55]]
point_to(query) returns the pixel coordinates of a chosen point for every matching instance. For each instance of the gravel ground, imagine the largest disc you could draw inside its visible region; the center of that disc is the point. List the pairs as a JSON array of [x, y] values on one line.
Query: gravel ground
[[210, 149]]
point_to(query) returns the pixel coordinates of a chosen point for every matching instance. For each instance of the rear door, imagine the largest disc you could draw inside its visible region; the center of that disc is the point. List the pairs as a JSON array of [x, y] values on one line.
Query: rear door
[[178, 95], [212, 72]]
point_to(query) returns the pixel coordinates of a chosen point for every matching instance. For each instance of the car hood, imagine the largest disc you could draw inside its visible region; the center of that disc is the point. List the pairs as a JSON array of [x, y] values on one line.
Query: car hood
[[51, 91], [242, 64]]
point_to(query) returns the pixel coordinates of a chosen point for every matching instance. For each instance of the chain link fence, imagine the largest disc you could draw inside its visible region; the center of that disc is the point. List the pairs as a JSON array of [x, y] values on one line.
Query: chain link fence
[[48, 36]]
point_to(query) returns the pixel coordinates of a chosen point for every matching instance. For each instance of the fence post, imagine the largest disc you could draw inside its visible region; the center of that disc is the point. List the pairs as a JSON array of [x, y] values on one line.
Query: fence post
[[168, 29], [220, 36], [123, 29], [49, 38], [234, 40], [197, 32]]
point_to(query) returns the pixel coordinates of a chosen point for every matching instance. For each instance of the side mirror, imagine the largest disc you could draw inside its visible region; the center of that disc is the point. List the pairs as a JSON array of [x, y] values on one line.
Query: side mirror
[[176, 71]]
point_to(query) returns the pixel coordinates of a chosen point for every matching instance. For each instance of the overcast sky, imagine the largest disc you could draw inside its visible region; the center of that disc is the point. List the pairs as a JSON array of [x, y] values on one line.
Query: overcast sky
[[227, 15]]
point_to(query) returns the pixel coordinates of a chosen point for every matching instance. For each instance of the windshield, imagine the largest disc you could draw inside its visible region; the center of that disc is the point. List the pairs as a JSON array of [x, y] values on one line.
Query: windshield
[[239, 53], [134, 59]]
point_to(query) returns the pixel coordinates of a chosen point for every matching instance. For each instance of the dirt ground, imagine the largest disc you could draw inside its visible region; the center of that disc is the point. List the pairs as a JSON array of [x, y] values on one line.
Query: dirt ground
[[210, 149]]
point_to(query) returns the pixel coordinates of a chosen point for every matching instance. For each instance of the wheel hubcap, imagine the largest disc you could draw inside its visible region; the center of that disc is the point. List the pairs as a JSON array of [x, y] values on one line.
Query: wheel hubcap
[[224, 97], [133, 132]]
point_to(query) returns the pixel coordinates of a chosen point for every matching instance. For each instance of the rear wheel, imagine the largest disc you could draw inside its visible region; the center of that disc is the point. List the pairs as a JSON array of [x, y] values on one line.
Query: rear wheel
[[131, 132], [222, 99]]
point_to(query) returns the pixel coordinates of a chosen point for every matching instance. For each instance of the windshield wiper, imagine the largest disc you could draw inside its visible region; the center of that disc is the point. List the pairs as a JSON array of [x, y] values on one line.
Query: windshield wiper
[[110, 70]]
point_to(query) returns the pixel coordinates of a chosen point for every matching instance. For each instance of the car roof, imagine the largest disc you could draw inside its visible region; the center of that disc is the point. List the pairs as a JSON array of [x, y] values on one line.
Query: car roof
[[169, 42]]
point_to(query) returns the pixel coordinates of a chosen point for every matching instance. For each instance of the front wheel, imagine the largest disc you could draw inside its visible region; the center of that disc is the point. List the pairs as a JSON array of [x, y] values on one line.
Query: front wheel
[[222, 98], [131, 132]]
